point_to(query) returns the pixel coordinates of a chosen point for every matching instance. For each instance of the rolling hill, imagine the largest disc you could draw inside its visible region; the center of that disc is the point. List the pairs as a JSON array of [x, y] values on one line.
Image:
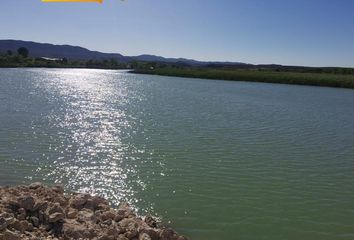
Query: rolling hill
[[75, 52]]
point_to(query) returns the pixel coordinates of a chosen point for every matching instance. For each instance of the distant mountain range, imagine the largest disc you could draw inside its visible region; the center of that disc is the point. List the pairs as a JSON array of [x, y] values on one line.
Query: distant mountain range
[[74, 52]]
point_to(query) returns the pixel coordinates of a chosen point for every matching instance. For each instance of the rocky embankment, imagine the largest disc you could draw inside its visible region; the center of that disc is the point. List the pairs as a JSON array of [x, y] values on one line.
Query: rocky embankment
[[40, 212]]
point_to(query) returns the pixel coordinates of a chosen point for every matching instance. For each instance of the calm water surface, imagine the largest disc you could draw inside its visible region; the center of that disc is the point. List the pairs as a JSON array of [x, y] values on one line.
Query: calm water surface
[[215, 159]]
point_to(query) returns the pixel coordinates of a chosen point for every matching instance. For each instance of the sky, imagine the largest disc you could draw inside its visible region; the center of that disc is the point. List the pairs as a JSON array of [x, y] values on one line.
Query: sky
[[301, 32]]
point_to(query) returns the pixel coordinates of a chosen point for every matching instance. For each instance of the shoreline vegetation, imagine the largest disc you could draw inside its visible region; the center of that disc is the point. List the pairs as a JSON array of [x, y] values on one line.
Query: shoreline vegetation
[[22, 59], [313, 76], [39, 212], [258, 75]]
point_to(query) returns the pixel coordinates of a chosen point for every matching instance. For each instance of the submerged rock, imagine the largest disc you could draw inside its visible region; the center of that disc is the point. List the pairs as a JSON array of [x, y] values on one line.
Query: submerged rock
[[39, 212]]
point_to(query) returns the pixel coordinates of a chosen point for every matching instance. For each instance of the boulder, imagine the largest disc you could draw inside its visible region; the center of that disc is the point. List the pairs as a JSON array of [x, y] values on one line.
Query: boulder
[[55, 208], [40, 205], [77, 231], [144, 236], [17, 225], [168, 234], [3, 223], [122, 237], [108, 215], [9, 235], [26, 202], [56, 217], [35, 221], [85, 215], [79, 201], [150, 221], [27, 226], [36, 185], [153, 234], [130, 227], [72, 213], [21, 214], [58, 189]]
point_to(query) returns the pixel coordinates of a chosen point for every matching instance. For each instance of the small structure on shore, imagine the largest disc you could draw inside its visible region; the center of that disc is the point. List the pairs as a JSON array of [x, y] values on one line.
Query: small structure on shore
[[51, 59]]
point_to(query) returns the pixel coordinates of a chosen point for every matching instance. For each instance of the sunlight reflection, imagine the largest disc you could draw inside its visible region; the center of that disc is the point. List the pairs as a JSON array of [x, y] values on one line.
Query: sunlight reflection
[[94, 133]]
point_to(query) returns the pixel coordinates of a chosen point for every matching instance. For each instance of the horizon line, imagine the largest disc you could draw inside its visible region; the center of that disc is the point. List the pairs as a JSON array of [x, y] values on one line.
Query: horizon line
[[167, 57]]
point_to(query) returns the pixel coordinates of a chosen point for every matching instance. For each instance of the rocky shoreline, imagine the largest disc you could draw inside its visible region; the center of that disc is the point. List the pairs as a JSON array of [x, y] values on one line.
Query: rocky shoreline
[[37, 212]]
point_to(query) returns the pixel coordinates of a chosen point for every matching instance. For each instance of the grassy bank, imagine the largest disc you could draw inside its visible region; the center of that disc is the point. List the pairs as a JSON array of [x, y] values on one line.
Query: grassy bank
[[253, 75]]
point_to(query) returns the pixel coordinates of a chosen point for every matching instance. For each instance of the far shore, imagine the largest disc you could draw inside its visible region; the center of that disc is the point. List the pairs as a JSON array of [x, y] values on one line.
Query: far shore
[[250, 75], [335, 80]]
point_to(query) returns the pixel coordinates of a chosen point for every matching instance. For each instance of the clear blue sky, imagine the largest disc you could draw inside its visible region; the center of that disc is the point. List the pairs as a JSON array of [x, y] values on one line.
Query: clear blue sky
[[297, 32]]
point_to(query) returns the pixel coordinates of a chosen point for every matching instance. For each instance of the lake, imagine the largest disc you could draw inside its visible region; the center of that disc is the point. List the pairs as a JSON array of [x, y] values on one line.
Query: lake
[[214, 159]]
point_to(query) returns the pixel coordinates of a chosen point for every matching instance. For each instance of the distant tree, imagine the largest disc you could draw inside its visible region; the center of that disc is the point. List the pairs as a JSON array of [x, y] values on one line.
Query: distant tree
[[89, 63], [134, 64], [64, 60], [9, 52], [23, 52], [113, 62]]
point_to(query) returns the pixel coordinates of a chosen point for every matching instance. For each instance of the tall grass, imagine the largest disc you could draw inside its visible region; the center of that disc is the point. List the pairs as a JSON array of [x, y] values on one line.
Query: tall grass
[[315, 79]]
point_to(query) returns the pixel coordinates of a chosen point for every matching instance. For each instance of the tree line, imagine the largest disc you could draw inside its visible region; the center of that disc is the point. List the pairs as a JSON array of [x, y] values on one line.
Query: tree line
[[21, 58]]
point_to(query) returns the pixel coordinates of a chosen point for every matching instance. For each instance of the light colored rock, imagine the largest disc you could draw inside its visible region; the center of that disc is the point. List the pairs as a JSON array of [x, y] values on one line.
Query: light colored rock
[[21, 214], [103, 207], [56, 217], [153, 234], [108, 215], [72, 214], [6, 215], [36, 185], [106, 237], [77, 231], [130, 227], [118, 217], [182, 238], [113, 231], [35, 221], [144, 236], [125, 209], [79, 201], [58, 189], [122, 237], [98, 200], [55, 208], [85, 215], [9, 235], [40, 205], [26, 225], [16, 225]]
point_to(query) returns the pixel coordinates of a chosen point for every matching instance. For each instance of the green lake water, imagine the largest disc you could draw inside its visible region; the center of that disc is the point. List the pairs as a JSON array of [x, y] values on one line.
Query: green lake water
[[214, 159]]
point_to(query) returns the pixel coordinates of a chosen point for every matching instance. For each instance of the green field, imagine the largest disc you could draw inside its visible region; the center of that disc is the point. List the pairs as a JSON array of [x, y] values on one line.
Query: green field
[[253, 75]]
